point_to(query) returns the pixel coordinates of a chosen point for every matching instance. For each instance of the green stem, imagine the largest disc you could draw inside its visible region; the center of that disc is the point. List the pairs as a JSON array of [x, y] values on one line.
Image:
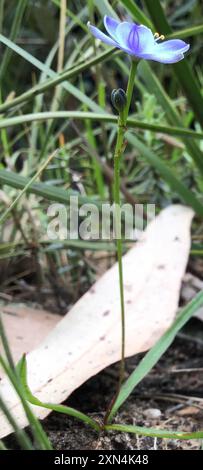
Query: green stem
[[119, 150], [130, 87]]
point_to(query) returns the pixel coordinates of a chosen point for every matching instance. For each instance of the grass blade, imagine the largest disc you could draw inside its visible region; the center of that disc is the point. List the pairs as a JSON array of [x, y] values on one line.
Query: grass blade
[[75, 18], [14, 32], [2, 6], [50, 406], [182, 69], [187, 32], [152, 357], [44, 68], [155, 87], [44, 190], [56, 78], [153, 432], [105, 8], [37, 430], [109, 118], [5, 345], [21, 436], [167, 174], [136, 13], [2, 446], [26, 187], [12, 374]]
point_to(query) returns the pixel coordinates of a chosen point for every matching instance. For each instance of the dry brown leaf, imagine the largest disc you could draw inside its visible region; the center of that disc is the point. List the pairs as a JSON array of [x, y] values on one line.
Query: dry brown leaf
[[26, 328], [88, 338], [189, 411]]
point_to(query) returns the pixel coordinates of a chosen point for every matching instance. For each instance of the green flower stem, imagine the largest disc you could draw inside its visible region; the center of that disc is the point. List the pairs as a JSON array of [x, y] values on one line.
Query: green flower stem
[[130, 87], [119, 150]]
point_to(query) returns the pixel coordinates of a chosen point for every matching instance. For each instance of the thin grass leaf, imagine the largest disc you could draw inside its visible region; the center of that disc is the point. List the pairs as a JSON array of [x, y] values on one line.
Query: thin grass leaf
[[12, 374], [59, 93], [152, 357], [81, 245], [20, 435], [109, 118], [182, 69], [15, 254], [20, 9], [37, 106], [154, 86], [187, 32], [44, 190], [181, 10], [37, 430], [36, 130], [26, 187], [50, 406], [5, 345], [153, 432], [56, 78], [75, 18], [186, 195], [43, 67], [2, 6], [2, 446], [97, 171], [137, 14], [50, 245], [104, 8]]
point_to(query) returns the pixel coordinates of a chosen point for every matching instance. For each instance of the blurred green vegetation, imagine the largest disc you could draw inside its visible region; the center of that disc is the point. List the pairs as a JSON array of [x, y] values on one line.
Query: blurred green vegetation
[[57, 134], [51, 64]]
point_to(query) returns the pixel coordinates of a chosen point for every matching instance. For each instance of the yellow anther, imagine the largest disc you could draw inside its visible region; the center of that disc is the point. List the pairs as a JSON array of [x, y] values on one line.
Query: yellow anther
[[156, 35], [162, 37]]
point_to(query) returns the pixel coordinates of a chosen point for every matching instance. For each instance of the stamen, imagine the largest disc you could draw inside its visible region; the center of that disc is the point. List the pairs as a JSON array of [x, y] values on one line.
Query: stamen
[[158, 37]]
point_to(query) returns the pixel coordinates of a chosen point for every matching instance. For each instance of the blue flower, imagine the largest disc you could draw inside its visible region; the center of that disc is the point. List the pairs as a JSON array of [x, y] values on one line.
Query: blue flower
[[139, 41]]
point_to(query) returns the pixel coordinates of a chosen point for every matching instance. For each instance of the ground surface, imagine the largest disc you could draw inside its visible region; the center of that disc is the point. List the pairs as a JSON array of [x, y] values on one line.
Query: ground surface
[[176, 394]]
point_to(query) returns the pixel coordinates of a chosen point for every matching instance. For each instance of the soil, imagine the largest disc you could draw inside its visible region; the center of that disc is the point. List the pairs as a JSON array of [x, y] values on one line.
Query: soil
[[170, 397], [176, 396]]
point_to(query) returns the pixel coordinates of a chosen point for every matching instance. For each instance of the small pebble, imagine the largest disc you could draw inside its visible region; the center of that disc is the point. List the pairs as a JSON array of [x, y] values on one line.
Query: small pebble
[[152, 413]]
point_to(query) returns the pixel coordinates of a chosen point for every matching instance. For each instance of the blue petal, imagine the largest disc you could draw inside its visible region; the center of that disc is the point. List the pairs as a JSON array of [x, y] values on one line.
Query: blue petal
[[133, 40], [168, 52], [111, 25], [174, 45], [144, 42], [163, 58], [139, 41], [122, 34], [99, 35]]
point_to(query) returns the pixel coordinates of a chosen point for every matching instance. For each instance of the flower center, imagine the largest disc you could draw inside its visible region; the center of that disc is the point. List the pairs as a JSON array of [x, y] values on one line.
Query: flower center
[[133, 39], [159, 37]]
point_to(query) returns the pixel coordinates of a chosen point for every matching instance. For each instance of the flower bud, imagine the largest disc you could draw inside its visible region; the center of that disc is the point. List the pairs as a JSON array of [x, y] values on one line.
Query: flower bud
[[118, 99]]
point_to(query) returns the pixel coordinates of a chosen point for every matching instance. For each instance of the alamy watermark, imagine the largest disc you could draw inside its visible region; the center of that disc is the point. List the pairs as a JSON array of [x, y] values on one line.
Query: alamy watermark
[[92, 222]]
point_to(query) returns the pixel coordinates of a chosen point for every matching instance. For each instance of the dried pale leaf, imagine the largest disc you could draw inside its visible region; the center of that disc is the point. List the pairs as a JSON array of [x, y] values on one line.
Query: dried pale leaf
[[26, 328], [88, 338]]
